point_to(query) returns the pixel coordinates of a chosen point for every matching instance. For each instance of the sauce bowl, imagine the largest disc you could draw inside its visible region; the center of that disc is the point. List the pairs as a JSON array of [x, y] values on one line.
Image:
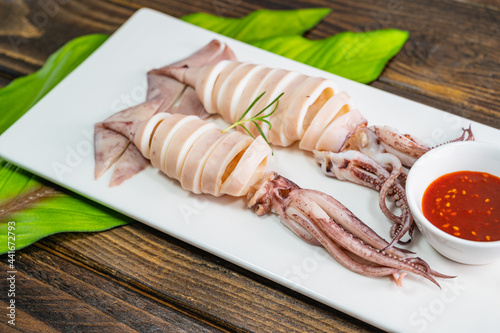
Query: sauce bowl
[[458, 156]]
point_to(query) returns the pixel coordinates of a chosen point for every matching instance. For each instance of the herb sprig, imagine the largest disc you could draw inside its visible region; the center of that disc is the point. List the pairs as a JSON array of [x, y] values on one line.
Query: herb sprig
[[257, 117]]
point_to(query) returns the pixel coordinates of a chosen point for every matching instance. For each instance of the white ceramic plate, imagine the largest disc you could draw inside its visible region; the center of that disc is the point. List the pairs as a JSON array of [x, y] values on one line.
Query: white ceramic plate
[[54, 140]]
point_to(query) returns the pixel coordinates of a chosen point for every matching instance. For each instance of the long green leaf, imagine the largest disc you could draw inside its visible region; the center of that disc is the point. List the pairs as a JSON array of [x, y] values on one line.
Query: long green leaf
[[39, 210], [359, 56], [261, 24]]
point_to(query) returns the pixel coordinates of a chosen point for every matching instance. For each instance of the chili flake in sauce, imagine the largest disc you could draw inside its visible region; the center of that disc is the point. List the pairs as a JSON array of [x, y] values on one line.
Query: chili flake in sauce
[[465, 204]]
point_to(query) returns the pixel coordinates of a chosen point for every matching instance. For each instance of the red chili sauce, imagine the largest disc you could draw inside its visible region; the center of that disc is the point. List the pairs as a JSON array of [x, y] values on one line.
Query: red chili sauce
[[465, 204]]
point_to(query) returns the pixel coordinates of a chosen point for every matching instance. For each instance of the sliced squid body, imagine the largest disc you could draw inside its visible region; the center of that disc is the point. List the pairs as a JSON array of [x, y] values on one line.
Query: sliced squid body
[[200, 156], [311, 109], [249, 169]]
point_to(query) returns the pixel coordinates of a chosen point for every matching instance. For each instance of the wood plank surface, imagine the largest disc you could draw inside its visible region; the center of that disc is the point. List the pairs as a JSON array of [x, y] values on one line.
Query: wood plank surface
[[198, 283], [55, 292], [135, 278]]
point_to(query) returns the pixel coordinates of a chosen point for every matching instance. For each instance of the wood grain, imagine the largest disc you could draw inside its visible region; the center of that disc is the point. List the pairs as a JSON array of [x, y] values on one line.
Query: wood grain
[[57, 293], [445, 63], [198, 283]]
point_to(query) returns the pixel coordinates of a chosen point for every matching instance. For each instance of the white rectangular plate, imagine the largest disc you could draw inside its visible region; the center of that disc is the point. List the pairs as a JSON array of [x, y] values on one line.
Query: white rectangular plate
[[54, 141]]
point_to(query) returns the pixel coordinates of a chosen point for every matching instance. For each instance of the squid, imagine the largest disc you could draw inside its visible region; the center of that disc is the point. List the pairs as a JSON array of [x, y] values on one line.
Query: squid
[[169, 131], [321, 118]]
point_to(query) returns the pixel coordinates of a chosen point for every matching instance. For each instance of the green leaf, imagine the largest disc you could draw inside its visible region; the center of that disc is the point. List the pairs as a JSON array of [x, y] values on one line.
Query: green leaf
[[37, 209], [20, 95], [261, 24], [359, 56]]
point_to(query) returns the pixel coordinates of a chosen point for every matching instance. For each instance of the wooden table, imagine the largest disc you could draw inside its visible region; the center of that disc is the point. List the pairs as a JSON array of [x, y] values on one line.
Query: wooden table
[[134, 278]]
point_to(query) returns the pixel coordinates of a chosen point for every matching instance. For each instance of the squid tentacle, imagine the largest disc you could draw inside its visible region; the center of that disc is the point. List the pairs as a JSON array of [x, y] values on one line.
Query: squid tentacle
[[408, 148], [355, 226], [333, 227], [340, 254], [354, 245], [331, 223], [391, 186], [204, 160], [289, 220], [272, 193], [361, 169], [467, 135], [364, 233]]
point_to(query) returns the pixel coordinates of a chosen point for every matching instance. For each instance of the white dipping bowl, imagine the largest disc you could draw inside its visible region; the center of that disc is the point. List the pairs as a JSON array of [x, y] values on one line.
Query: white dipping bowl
[[458, 156]]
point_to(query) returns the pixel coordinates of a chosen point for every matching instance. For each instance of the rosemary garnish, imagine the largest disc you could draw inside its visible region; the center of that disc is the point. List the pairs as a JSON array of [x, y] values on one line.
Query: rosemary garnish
[[257, 117]]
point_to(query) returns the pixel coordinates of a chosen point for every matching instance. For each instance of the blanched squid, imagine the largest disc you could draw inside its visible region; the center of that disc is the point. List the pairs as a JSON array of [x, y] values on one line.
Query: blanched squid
[[203, 159]]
